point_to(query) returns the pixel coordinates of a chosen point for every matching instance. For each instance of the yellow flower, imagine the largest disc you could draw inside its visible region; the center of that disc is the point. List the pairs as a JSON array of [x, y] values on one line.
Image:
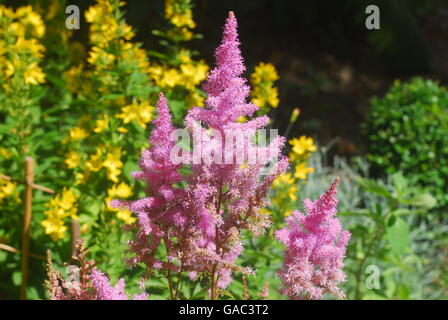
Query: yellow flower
[[121, 190], [113, 164], [301, 147], [7, 189], [82, 177], [95, 162], [273, 99], [126, 216], [38, 27], [241, 119], [17, 29], [286, 186], [34, 74], [193, 74], [60, 207], [264, 72], [265, 211], [93, 13], [292, 192], [68, 200], [55, 228], [264, 94], [141, 113], [301, 171], [184, 56], [184, 19], [10, 67], [4, 11], [4, 153], [179, 15], [73, 78], [102, 124], [73, 159], [32, 46], [194, 99], [77, 133], [170, 78], [99, 56], [283, 179]]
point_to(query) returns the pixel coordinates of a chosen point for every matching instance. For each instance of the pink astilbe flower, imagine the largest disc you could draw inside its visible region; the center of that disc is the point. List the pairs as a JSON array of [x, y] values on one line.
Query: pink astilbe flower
[[315, 249], [227, 194], [200, 224], [161, 215], [105, 291], [85, 282]]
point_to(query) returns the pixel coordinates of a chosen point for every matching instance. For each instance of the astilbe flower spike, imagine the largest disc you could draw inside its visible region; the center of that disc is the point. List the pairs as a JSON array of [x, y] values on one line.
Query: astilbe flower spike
[[200, 225], [161, 215], [315, 249], [86, 283], [228, 195]]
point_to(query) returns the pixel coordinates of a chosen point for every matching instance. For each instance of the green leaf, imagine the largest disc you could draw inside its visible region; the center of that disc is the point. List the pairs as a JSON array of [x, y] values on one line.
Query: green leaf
[[373, 187], [398, 236], [17, 278], [112, 96], [401, 212], [137, 85], [360, 212], [400, 184], [422, 200]]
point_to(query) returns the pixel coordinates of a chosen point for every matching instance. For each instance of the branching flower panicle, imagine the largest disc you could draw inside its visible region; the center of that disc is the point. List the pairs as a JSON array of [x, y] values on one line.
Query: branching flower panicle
[[315, 248]]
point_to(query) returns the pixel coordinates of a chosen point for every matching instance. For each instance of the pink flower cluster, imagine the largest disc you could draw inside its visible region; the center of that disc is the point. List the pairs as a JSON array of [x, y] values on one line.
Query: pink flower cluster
[[85, 282], [198, 217], [105, 291], [315, 248]]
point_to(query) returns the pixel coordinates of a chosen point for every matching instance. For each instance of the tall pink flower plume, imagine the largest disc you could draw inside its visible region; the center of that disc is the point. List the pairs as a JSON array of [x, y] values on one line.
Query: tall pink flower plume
[[161, 217], [200, 224], [315, 249], [227, 194]]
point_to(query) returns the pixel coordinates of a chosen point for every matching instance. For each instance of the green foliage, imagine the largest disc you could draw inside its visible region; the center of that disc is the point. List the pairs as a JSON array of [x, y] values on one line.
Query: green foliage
[[407, 131]]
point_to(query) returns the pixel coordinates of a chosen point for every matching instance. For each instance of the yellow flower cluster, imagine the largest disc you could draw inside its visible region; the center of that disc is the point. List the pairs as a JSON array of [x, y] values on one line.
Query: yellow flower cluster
[[139, 111], [7, 189], [4, 153], [179, 14], [121, 191], [20, 48], [109, 159], [264, 94], [114, 77], [109, 33], [105, 27], [302, 148], [285, 186], [60, 207], [110, 38], [186, 73], [75, 79]]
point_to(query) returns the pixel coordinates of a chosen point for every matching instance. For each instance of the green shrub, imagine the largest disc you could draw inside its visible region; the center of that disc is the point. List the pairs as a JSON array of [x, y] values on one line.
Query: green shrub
[[407, 131]]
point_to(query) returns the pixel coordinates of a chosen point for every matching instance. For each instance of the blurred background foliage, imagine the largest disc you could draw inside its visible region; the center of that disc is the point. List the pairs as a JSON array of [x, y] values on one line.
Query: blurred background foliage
[[372, 109]]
